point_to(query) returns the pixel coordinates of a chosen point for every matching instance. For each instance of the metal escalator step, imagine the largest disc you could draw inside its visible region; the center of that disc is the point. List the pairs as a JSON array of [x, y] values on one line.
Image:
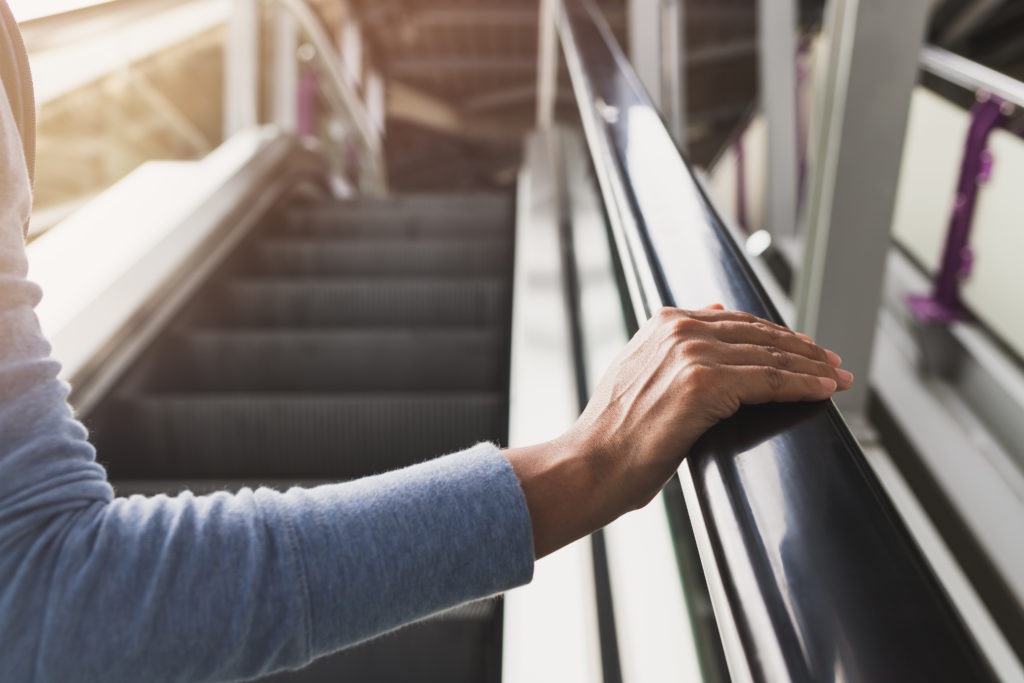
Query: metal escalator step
[[448, 202], [389, 359], [459, 646], [409, 217], [402, 226], [306, 256], [362, 302], [334, 436]]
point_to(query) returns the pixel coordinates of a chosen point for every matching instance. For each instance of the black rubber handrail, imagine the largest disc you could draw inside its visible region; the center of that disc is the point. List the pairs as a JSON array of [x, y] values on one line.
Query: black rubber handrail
[[812, 573]]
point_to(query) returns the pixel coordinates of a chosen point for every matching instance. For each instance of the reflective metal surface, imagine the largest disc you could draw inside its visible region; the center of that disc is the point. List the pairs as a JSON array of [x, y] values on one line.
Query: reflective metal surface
[[814, 576]]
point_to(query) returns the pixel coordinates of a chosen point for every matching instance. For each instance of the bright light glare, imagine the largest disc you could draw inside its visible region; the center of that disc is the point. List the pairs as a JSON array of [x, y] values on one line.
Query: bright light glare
[[26, 10], [758, 243]]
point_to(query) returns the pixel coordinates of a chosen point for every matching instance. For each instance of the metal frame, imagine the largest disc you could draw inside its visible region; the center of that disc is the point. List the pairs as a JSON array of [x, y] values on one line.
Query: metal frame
[[971, 75]]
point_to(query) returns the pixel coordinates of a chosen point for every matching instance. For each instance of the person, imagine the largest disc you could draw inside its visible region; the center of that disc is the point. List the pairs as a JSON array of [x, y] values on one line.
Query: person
[[94, 587]]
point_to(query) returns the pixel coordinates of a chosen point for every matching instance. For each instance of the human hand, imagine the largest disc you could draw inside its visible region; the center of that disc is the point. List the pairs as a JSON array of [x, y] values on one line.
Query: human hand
[[683, 372]]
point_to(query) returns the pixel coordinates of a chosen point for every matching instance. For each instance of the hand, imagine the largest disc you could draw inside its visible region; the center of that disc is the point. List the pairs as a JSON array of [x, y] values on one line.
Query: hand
[[683, 372]]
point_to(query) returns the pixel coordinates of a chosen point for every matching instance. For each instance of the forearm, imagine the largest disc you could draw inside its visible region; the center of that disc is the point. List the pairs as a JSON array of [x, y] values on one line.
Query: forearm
[[230, 586]]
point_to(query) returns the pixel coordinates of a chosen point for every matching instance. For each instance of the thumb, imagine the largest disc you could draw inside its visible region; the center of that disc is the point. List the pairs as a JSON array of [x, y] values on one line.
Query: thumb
[[714, 307]]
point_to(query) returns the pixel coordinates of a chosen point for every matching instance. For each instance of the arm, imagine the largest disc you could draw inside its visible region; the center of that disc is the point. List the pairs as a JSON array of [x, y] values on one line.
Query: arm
[[99, 588], [682, 372]]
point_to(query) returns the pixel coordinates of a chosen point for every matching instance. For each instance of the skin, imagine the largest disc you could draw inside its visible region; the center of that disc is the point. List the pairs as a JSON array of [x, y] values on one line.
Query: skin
[[683, 372]]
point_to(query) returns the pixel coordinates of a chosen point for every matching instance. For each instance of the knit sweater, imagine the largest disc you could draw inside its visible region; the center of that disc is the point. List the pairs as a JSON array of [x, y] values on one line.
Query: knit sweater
[[94, 587]]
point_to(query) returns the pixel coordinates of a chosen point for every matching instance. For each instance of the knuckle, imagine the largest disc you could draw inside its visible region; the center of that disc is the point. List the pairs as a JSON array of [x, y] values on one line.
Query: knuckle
[[695, 348], [774, 378], [749, 317], [698, 376], [684, 328], [666, 314], [780, 358]]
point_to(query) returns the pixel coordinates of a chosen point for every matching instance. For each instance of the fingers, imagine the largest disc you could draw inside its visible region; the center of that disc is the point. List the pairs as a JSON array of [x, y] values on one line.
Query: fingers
[[766, 383], [771, 356], [758, 342]]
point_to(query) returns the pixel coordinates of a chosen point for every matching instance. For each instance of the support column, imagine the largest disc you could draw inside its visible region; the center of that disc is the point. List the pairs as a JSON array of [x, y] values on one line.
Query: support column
[[547, 64], [861, 117], [777, 64], [644, 25], [352, 52], [376, 107], [673, 68], [286, 70], [241, 68]]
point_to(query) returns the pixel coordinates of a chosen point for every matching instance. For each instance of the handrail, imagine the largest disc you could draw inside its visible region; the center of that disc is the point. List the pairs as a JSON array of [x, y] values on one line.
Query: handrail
[[971, 75], [812, 574]]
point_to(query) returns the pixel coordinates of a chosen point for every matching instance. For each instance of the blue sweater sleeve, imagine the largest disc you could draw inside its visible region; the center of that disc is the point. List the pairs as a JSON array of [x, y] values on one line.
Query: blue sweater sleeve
[[99, 588]]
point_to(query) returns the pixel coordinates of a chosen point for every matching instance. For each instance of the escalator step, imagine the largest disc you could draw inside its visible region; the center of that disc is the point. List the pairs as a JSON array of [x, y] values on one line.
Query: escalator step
[[496, 203], [335, 436], [458, 646], [389, 359], [387, 220], [355, 302], [298, 256]]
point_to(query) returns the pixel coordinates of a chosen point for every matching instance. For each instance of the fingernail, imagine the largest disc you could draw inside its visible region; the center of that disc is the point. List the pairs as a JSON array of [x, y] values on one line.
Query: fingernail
[[833, 358], [845, 377], [828, 384]]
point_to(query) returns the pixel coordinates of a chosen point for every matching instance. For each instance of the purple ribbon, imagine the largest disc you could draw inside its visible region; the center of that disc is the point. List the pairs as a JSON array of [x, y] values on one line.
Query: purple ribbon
[[944, 305]]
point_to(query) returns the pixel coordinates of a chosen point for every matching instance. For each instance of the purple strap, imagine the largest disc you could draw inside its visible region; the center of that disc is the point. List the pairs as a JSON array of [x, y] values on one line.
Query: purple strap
[[944, 304]]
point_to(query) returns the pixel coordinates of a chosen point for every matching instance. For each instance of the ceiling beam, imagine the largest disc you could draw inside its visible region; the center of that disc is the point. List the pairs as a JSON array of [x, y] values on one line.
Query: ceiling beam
[[409, 104]]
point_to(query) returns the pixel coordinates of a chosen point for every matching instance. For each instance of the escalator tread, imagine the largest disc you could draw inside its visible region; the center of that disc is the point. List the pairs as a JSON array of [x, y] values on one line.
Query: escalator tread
[[339, 359]]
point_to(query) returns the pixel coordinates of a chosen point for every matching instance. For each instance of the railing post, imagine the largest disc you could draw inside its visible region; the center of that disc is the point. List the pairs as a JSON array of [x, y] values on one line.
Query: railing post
[[673, 68], [870, 72], [547, 64], [644, 26], [352, 52], [777, 64], [241, 67], [286, 70]]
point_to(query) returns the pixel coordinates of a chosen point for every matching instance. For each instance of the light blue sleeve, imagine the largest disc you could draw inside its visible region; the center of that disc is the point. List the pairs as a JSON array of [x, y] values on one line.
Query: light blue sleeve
[[220, 587]]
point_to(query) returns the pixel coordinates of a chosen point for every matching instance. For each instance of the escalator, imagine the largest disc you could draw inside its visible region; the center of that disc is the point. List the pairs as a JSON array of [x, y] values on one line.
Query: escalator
[[337, 341]]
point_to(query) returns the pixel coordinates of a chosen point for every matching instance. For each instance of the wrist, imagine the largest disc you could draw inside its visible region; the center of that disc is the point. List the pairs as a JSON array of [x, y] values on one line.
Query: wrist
[[562, 485]]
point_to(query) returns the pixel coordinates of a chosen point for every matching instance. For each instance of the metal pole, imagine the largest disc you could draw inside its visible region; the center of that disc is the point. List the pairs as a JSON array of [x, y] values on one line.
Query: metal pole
[[777, 63], [547, 64], [673, 68], [645, 45], [870, 72], [241, 68], [286, 70], [352, 51]]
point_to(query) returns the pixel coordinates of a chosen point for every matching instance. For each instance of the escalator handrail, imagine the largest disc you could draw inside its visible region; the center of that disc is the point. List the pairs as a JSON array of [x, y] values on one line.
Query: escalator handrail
[[812, 574]]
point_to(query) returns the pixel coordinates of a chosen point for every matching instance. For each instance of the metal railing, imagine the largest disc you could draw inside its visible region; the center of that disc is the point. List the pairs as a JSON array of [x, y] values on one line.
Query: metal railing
[[811, 572], [971, 75]]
